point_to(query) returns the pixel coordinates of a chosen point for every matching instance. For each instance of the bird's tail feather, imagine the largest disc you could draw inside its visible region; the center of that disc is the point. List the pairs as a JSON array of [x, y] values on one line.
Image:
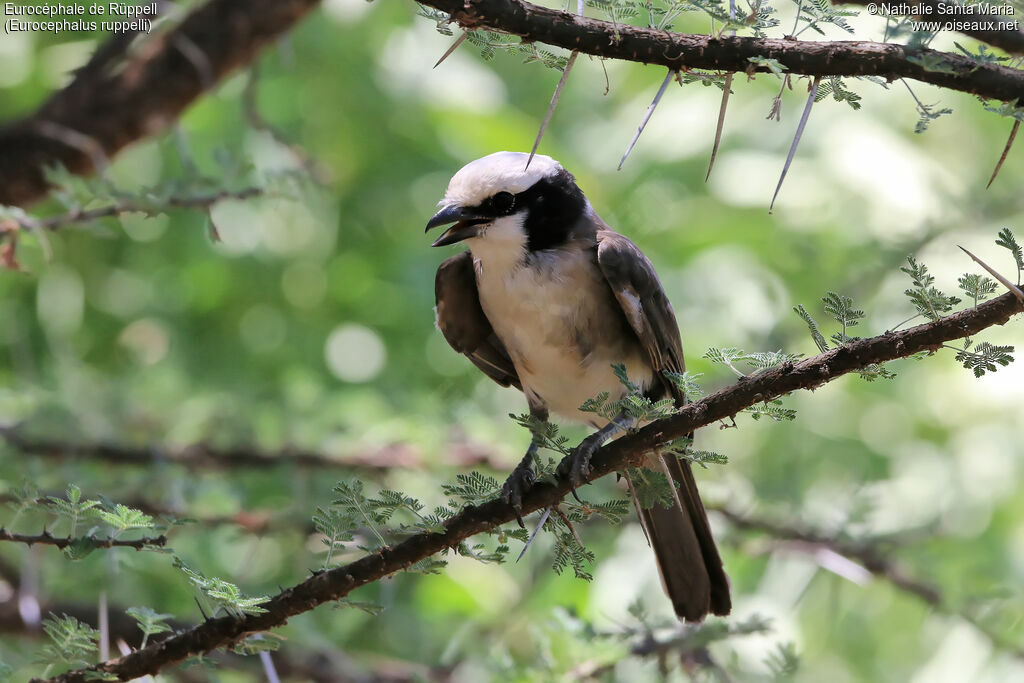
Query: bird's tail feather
[[688, 561]]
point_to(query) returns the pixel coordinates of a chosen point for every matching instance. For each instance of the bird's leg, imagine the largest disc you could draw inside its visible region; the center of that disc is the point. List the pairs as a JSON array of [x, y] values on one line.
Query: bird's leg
[[523, 476], [576, 465]]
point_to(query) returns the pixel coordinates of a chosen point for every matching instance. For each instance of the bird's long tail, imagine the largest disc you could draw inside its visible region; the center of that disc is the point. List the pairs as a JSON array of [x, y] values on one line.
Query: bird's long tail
[[691, 569]]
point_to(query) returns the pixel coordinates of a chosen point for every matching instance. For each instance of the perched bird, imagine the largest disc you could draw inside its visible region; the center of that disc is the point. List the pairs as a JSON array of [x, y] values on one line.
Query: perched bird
[[547, 299]]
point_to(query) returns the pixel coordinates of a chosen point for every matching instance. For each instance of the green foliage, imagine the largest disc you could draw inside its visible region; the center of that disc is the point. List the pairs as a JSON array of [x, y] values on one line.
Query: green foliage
[[984, 358], [71, 643], [225, 597], [928, 113], [471, 489], [1011, 109], [842, 311], [441, 19], [121, 518], [759, 360], [545, 433], [927, 299], [686, 383], [773, 65], [783, 662], [772, 410], [491, 42], [818, 12], [932, 62], [256, 643], [571, 554], [150, 622], [1008, 241], [651, 488], [834, 86], [816, 335], [977, 287], [984, 55], [611, 511], [633, 404]]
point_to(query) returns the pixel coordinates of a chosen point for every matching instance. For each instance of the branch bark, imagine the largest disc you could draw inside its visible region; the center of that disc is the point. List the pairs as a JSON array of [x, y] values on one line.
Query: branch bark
[[104, 109], [629, 450], [62, 542], [732, 53], [203, 456]]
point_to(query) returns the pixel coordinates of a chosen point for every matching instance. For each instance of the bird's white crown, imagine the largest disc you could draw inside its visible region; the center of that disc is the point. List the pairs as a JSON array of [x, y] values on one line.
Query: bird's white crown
[[498, 172]]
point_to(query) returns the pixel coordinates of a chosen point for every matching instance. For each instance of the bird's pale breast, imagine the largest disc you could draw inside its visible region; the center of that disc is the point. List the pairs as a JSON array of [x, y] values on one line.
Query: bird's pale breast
[[562, 327]]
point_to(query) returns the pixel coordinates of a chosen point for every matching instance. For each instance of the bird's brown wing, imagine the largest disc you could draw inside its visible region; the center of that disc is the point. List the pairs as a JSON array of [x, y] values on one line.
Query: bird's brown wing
[[463, 323], [688, 559]]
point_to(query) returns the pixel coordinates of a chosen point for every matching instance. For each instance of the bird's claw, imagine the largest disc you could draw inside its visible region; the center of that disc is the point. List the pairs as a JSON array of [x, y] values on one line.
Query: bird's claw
[[576, 465], [517, 484]]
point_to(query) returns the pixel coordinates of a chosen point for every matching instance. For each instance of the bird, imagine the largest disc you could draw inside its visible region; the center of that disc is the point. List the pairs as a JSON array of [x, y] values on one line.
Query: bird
[[547, 298]]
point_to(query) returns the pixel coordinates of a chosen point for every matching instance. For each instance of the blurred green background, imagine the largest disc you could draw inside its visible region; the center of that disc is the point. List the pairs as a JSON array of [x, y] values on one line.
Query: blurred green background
[[310, 325]]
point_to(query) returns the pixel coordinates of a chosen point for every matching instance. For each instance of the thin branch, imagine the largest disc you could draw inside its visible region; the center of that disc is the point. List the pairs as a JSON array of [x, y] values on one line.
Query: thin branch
[[123, 206], [865, 553], [631, 449], [869, 556], [113, 107], [206, 456], [678, 51], [46, 538]]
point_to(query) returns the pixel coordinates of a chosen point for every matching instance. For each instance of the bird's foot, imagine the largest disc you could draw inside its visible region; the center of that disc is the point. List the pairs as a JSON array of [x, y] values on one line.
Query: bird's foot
[[576, 465], [516, 486]]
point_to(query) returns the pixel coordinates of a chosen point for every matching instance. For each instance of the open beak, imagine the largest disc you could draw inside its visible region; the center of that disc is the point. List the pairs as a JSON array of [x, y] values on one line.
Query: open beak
[[467, 224]]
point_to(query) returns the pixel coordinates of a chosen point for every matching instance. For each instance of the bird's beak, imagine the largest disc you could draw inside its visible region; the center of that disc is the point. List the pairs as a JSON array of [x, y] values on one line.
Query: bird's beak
[[467, 224]]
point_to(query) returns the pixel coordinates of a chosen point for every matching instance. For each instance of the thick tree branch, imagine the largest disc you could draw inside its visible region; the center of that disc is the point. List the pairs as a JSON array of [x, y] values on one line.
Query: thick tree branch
[[104, 109], [1007, 39], [46, 538], [629, 450], [732, 53]]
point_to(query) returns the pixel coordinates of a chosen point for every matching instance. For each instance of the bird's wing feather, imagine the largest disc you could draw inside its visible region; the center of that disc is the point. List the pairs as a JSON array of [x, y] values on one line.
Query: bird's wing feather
[[636, 287], [688, 560], [463, 323]]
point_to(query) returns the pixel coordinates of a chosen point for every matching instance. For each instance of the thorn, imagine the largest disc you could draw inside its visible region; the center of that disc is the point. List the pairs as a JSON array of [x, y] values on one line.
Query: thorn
[[796, 139], [1006, 283], [543, 518], [647, 116], [455, 45], [721, 123], [1006, 150], [552, 105]]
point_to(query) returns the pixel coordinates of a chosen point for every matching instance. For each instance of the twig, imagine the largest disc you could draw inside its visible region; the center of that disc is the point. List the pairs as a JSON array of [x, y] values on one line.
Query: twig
[[631, 449], [46, 538], [206, 456], [79, 216]]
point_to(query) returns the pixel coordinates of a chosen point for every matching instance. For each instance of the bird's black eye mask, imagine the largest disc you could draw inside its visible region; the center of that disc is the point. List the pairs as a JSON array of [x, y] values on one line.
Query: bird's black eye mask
[[552, 206]]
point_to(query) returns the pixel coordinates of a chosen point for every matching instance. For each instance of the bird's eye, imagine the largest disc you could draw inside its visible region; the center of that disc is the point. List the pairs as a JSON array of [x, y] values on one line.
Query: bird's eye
[[503, 202]]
